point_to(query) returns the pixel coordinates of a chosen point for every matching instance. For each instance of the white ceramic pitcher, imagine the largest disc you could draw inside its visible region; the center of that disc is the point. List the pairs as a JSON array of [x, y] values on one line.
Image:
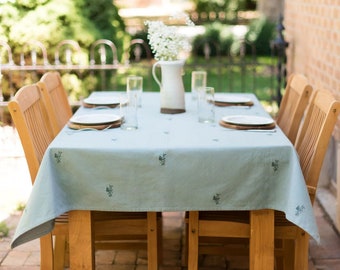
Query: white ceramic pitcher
[[171, 86]]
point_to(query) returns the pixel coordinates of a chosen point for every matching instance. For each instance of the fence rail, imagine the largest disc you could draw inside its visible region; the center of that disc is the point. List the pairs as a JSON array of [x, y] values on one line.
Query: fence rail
[[240, 71]]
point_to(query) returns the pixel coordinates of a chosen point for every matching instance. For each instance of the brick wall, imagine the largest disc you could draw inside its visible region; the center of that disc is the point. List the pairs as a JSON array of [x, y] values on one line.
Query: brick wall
[[313, 33]]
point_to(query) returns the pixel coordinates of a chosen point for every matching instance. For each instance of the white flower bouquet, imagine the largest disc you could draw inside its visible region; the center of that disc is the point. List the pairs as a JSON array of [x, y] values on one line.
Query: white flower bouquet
[[166, 41]]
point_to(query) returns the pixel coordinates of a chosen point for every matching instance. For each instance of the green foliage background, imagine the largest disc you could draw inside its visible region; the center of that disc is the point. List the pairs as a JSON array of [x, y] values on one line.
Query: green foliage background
[[230, 7], [52, 21], [85, 21]]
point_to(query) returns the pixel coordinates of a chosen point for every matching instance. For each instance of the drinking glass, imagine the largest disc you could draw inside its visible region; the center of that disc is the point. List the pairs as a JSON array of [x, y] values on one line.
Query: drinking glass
[[128, 110], [135, 84], [198, 80], [206, 105]]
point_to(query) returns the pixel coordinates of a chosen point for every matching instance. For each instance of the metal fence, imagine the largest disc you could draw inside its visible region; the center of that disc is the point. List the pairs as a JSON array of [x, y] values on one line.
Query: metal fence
[[69, 57], [239, 71]]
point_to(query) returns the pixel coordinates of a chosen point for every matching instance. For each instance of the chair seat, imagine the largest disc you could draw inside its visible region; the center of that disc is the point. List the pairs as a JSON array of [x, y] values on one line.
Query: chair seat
[[236, 216], [62, 219], [108, 215], [241, 217]]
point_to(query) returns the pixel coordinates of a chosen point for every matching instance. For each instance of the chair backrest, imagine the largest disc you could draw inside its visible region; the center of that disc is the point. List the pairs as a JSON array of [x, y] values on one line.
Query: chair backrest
[[55, 97], [293, 105], [32, 122], [314, 135]]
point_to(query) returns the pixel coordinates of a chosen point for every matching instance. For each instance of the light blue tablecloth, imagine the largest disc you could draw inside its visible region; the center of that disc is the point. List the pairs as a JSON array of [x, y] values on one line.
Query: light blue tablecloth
[[171, 163]]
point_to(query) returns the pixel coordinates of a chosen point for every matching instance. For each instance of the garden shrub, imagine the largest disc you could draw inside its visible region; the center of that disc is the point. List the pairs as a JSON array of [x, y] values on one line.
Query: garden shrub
[[212, 37], [222, 41], [52, 21], [261, 32]]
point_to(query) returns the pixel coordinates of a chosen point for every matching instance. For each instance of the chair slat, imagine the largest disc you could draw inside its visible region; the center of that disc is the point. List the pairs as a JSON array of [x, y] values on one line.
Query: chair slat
[[56, 99], [293, 105]]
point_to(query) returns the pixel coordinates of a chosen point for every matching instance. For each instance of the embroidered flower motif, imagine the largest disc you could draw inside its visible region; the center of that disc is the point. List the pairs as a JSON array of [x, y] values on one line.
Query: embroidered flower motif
[[217, 198], [275, 165], [109, 190], [57, 156], [162, 159], [166, 41], [299, 210]]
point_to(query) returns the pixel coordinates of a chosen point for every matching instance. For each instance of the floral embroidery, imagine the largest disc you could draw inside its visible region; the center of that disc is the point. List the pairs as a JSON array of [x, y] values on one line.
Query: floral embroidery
[[299, 210], [109, 190], [162, 159], [275, 165], [57, 156], [217, 198]]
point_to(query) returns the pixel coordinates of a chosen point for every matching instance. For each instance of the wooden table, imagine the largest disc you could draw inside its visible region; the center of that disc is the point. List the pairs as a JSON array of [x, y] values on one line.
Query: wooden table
[[178, 164]]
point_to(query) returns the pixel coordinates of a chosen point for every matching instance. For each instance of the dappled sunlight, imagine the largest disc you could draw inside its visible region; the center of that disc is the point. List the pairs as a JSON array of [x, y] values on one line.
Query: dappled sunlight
[[15, 182], [270, 107]]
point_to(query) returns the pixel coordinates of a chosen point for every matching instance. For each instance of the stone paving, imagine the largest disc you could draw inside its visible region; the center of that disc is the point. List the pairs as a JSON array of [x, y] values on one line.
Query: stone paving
[[15, 188]]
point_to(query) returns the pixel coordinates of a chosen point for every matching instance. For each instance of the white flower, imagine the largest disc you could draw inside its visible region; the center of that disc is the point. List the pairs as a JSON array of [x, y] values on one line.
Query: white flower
[[166, 42]]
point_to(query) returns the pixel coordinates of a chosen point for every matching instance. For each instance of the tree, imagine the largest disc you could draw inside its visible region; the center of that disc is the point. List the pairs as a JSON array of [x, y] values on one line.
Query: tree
[[51, 21]]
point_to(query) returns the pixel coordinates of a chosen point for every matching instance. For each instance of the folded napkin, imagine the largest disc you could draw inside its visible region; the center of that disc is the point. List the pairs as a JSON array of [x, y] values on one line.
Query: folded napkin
[[245, 127], [97, 126], [225, 104]]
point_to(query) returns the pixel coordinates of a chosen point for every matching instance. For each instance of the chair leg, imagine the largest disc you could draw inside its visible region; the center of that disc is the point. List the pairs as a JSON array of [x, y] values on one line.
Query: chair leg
[[193, 240], [46, 252], [185, 242], [288, 254], [301, 251], [160, 239], [59, 252], [278, 253], [152, 241]]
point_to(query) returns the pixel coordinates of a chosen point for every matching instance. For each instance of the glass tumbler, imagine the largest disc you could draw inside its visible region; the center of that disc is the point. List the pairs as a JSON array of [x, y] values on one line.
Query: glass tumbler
[[206, 105], [198, 80]]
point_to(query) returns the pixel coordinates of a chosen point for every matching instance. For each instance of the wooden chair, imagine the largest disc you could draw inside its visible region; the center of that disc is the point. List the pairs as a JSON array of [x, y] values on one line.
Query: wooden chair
[[230, 226], [293, 105], [55, 97], [32, 122], [112, 230]]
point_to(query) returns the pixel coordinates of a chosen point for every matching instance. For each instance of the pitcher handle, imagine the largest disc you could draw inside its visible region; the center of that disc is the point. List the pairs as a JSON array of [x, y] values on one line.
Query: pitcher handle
[[155, 75]]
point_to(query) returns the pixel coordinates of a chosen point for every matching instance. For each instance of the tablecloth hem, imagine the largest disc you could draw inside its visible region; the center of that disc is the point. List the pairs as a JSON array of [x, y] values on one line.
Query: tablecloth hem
[[33, 233]]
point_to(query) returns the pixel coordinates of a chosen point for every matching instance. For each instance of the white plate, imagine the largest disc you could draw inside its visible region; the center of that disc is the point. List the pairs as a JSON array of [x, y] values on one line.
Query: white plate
[[231, 99], [102, 101], [94, 119], [247, 120]]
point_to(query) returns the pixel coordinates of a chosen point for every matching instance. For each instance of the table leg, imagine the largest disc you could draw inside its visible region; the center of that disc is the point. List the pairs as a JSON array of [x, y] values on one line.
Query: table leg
[[81, 240], [152, 241], [261, 240], [193, 240]]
